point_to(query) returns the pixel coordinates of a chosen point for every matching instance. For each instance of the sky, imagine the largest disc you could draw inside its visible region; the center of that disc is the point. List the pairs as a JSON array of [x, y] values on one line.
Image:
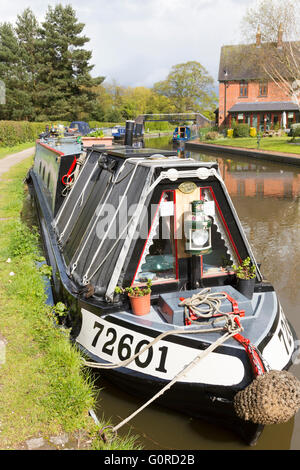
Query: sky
[[136, 42]]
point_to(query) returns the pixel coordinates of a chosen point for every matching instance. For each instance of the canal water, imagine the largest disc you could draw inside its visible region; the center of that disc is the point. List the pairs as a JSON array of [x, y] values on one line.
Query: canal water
[[266, 196]]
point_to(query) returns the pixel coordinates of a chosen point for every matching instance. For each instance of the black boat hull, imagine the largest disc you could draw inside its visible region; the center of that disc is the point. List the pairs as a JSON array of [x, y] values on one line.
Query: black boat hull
[[213, 403]]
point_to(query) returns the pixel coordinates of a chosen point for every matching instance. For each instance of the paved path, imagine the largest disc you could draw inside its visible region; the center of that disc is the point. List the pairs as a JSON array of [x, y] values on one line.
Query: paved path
[[7, 162]]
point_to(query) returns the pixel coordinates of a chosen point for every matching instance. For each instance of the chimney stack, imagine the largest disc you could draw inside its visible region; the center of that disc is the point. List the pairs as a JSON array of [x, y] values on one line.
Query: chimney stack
[[280, 36], [258, 37]]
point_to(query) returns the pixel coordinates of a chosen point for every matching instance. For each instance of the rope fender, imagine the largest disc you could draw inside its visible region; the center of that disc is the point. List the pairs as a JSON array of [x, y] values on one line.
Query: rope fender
[[271, 398]]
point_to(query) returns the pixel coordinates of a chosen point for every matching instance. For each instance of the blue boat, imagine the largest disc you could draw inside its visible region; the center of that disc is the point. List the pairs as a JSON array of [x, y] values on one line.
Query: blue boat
[[118, 132], [184, 133]]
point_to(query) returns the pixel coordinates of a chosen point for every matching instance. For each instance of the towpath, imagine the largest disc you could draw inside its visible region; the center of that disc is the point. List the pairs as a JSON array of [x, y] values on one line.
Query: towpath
[[7, 162]]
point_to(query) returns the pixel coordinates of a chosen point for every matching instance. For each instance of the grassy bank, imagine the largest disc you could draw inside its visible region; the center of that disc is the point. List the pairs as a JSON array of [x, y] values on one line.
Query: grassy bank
[[44, 389], [272, 144]]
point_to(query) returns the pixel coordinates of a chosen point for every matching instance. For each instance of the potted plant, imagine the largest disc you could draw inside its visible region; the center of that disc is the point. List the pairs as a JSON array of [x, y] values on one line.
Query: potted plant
[[139, 297], [246, 274]]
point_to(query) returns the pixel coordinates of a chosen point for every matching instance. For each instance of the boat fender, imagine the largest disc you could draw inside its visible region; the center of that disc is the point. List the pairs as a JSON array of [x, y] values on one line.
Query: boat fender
[[271, 398]]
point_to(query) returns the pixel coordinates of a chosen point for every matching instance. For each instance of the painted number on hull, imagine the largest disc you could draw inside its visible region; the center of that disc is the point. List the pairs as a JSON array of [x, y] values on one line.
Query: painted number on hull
[[285, 334], [125, 348]]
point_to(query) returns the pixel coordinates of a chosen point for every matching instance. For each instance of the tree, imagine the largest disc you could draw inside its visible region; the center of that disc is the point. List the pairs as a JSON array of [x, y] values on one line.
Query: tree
[[27, 31], [66, 91], [9, 71], [279, 53], [189, 88]]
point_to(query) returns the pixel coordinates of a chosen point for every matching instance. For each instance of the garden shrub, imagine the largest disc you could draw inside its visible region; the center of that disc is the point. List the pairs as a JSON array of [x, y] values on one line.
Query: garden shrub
[[212, 135], [241, 130], [253, 132], [295, 130], [230, 133]]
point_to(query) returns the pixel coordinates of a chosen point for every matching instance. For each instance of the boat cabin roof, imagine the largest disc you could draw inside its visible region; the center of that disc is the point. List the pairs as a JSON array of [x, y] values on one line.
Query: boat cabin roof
[[109, 226]]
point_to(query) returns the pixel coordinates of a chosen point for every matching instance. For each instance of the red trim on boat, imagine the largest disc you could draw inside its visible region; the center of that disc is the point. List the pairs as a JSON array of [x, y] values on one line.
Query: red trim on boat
[[50, 148]]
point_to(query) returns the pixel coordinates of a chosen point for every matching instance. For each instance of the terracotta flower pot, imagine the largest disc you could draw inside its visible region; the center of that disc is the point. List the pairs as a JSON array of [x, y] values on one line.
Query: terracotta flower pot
[[140, 304]]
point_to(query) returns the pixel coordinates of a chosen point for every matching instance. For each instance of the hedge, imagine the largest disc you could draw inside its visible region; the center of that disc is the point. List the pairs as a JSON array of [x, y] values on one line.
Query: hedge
[[18, 132]]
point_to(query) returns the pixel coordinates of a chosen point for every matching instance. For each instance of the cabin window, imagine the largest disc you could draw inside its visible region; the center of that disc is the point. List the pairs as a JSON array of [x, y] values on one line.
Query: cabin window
[[158, 261], [40, 167], [263, 89], [48, 180], [243, 90], [182, 132], [223, 251]]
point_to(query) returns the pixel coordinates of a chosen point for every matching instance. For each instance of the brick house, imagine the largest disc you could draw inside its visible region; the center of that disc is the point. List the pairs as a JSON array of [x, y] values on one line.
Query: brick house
[[248, 98]]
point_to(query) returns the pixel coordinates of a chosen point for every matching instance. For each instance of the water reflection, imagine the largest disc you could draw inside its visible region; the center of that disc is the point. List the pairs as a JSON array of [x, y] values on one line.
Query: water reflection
[[257, 179]]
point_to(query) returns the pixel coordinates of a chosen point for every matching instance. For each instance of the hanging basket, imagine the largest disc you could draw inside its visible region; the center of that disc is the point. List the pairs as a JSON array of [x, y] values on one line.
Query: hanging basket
[[140, 304]]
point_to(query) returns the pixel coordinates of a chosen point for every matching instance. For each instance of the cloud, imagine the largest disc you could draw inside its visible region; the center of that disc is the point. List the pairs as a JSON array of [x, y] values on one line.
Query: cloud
[[136, 42]]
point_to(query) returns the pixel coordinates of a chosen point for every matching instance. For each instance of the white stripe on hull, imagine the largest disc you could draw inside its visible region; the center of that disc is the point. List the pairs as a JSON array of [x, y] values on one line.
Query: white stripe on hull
[[113, 343]]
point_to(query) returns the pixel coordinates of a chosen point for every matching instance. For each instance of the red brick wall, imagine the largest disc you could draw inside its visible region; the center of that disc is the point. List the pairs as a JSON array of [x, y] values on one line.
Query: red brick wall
[[233, 96]]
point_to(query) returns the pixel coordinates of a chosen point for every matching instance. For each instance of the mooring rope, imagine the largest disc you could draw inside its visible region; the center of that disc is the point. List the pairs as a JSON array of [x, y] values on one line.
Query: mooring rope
[[124, 363], [181, 374], [231, 327]]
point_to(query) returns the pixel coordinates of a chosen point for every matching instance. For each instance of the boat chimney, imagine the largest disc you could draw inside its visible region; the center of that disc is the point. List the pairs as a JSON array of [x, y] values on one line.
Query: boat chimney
[[139, 130], [129, 129], [258, 37]]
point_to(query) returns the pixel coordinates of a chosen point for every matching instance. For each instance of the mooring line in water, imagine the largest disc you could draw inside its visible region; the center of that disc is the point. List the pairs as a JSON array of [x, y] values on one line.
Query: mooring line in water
[[181, 374], [232, 329]]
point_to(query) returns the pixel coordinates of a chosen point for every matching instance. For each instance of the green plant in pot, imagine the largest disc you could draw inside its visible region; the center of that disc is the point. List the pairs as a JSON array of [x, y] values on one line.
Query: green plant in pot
[[246, 274], [139, 297]]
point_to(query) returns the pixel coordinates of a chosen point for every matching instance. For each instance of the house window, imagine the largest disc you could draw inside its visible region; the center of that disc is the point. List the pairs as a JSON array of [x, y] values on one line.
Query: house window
[[291, 118], [243, 90], [263, 89]]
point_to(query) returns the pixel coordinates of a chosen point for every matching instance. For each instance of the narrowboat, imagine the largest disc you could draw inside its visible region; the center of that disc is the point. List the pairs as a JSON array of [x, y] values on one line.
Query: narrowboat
[[118, 132], [184, 133], [131, 215]]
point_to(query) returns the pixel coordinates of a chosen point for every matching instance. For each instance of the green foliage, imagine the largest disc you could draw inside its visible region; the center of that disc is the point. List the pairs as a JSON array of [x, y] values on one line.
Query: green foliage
[[18, 132], [96, 134], [295, 130], [60, 309], [46, 67], [241, 130], [212, 135], [158, 126], [47, 73], [189, 88], [46, 270], [246, 270], [22, 240], [135, 291]]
